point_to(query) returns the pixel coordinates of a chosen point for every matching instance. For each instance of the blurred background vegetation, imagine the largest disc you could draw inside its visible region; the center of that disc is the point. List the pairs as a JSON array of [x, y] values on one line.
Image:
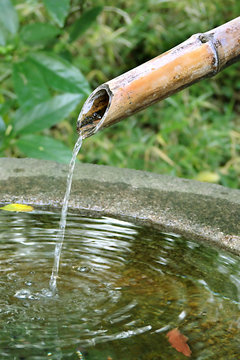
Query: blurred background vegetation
[[54, 53]]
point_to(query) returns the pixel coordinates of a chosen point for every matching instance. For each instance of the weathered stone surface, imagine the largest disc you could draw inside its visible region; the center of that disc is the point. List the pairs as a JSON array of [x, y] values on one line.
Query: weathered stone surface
[[199, 210]]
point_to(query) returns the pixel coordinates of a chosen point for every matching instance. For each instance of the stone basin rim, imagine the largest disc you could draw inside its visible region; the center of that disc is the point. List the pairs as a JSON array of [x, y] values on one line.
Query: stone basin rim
[[201, 211]]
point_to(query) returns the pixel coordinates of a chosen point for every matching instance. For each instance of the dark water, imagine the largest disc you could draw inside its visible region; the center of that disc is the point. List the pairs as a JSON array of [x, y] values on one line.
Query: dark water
[[121, 288]]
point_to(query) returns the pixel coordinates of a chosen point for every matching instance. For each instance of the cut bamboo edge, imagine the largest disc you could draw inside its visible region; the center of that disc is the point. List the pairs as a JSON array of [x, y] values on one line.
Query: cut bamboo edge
[[202, 55]]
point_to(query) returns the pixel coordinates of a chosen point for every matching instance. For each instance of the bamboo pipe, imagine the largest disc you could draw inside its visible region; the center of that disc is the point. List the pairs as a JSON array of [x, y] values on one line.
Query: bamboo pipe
[[202, 55]]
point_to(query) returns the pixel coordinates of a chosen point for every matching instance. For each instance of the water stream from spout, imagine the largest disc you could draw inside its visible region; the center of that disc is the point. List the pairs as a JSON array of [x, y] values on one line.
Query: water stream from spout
[[62, 225]]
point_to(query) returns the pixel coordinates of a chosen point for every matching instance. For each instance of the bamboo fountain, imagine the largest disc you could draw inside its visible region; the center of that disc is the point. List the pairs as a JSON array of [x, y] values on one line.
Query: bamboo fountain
[[202, 55], [197, 210]]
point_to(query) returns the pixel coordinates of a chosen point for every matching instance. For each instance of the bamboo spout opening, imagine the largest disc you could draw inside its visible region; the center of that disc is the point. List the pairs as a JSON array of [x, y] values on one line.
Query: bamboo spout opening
[[94, 111], [201, 56]]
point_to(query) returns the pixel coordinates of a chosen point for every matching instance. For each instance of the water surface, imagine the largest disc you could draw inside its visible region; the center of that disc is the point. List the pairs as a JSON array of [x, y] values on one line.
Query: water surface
[[121, 288]]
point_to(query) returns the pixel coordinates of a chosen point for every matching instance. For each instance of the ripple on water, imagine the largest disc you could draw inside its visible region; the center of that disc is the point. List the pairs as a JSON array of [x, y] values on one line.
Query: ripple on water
[[121, 288]]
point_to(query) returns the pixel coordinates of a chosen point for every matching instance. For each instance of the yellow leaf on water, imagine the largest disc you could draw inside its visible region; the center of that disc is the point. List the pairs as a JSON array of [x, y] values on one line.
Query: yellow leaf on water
[[17, 207], [208, 176]]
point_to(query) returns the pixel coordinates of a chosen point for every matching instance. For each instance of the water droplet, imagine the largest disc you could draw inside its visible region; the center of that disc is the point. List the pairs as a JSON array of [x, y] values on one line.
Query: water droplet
[[47, 293], [28, 283], [83, 269], [23, 294]]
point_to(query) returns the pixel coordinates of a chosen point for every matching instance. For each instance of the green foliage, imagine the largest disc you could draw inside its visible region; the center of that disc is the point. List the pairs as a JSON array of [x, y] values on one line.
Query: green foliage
[[39, 87], [29, 84], [2, 125], [45, 114], [82, 24], [60, 74], [44, 147], [8, 21], [38, 33], [45, 48], [58, 11]]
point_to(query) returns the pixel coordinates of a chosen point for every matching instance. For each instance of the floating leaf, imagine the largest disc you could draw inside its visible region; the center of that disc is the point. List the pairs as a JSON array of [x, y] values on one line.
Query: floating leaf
[[17, 207], [179, 342]]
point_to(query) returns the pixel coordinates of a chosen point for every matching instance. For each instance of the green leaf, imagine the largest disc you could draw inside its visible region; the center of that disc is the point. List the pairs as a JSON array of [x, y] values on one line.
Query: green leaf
[[8, 21], [6, 106], [38, 33], [58, 10], [29, 85], [60, 74], [3, 35], [2, 125], [46, 114], [44, 147], [83, 23]]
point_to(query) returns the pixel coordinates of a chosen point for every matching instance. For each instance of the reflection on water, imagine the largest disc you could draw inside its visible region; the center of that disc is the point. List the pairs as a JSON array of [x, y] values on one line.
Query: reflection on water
[[121, 288]]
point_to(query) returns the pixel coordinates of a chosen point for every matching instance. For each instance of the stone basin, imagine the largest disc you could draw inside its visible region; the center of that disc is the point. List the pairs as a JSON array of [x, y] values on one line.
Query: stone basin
[[200, 211]]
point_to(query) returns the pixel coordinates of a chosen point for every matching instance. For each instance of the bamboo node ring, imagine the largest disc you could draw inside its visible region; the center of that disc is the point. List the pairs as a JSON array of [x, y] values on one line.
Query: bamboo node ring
[[209, 38]]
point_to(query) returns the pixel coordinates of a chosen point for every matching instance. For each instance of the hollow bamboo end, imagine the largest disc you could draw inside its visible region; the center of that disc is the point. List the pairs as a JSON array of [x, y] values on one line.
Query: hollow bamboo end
[[202, 55], [94, 111]]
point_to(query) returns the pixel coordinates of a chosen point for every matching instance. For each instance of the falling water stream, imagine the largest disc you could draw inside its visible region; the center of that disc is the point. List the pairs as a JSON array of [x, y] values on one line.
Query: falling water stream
[[62, 225]]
